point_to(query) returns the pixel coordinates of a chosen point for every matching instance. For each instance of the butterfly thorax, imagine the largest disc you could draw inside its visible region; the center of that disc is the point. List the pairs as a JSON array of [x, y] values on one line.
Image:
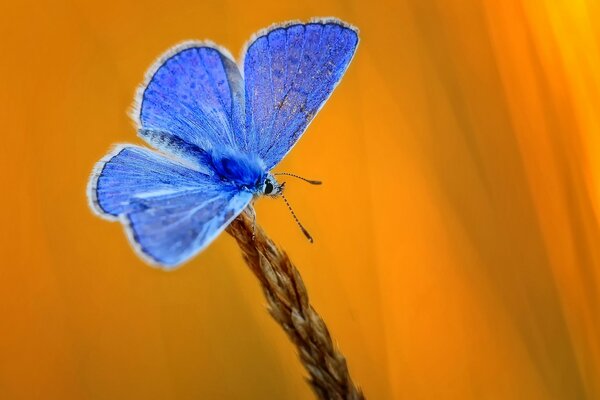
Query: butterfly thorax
[[245, 171]]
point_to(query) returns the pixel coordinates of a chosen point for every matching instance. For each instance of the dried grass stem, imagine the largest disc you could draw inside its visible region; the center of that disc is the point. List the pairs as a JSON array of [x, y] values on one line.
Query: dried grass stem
[[287, 302]]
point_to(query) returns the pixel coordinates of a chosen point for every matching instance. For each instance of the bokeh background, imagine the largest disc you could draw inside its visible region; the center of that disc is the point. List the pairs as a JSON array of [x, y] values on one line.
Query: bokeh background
[[457, 246]]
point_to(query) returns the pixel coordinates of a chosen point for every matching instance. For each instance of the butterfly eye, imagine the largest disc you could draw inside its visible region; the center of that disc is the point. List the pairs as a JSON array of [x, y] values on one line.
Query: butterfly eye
[[268, 186]]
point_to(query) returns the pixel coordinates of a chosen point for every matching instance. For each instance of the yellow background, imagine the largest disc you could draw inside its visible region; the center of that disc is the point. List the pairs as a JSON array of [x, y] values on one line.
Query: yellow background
[[457, 245]]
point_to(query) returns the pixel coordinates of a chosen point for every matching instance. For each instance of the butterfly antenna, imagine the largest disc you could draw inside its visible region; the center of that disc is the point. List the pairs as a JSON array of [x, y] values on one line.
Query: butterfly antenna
[[302, 228], [311, 181]]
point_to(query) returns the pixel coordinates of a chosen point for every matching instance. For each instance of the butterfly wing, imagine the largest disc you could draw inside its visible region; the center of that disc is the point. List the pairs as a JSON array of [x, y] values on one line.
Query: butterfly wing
[[192, 100], [289, 73], [171, 211]]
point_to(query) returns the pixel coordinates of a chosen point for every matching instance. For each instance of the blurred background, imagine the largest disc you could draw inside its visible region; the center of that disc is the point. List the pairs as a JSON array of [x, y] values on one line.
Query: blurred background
[[457, 243]]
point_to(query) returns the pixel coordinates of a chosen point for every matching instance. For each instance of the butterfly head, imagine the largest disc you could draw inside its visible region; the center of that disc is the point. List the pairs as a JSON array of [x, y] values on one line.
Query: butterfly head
[[271, 187]]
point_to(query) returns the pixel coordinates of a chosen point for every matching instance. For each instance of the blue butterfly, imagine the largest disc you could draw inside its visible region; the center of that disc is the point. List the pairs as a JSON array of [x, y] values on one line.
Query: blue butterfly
[[220, 131]]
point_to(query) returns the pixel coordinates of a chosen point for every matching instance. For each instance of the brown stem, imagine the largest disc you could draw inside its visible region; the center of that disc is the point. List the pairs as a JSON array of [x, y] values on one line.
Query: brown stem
[[288, 304]]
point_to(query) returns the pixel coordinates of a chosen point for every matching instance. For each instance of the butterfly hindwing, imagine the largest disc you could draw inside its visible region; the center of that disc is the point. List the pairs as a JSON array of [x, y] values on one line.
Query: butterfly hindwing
[[171, 211], [132, 172], [194, 93], [289, 73], [171, 230]]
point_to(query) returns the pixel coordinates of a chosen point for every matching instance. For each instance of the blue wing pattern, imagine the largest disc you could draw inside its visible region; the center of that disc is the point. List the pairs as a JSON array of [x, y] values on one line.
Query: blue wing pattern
[[193, 95], [172, 212], [289, 73], [172, 230]]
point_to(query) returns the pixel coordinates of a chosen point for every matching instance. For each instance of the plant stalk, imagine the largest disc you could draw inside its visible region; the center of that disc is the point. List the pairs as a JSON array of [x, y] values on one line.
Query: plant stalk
[[288, 304]]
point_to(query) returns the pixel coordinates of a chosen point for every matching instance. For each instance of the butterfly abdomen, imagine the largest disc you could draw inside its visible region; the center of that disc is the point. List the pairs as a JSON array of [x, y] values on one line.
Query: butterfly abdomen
[[242, 170]]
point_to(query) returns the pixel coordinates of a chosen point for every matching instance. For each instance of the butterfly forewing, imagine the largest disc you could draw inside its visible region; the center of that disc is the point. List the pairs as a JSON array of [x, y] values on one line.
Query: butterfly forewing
[[195, 94], [289, 73]]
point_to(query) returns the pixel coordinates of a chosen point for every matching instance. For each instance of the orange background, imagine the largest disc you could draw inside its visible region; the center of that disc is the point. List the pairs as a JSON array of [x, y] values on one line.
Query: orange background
[[457, 246]]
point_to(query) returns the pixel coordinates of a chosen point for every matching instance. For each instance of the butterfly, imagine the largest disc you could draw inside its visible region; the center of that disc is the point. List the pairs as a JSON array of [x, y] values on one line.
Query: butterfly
[[218, 130]]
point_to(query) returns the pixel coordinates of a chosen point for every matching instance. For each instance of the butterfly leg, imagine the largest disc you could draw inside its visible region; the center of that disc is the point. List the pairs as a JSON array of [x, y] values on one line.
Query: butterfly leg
[[253, 215]]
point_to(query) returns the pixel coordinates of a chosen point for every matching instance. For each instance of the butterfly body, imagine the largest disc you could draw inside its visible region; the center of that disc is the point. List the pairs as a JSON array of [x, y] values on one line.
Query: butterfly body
[[218, 129], [244, 171]]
